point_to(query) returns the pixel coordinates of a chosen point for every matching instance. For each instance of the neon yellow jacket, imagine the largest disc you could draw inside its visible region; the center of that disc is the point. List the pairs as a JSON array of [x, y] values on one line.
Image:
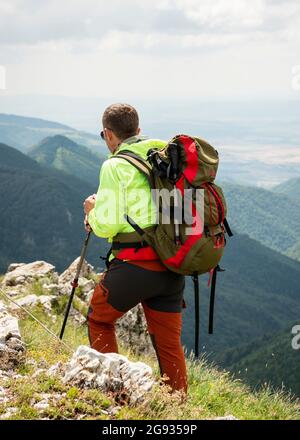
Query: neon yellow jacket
[[123, 188]]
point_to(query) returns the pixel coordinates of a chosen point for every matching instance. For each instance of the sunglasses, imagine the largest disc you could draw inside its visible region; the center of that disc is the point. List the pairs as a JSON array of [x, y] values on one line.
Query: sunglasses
[[102, 133]]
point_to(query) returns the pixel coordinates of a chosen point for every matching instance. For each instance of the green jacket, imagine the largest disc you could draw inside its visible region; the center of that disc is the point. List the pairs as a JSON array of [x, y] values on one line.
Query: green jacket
[[123, 188]]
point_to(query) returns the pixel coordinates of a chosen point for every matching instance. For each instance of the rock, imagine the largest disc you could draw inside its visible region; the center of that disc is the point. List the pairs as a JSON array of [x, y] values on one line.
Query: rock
[[3, 307], [20, 289], [27, 272], [12, 349], [78, 317], [113, 411], [3, 396], [9, 413], [9, 327], [88, 296], [14, 266], [38, 372], [86, 285], [69, 274], [12, 354], [110, 372], [51, 287], [27, 301], [56, 370], [14, 292], [229, 417], [132, 330], [6, 375], [46, 301], [42, 405], [32, 300]]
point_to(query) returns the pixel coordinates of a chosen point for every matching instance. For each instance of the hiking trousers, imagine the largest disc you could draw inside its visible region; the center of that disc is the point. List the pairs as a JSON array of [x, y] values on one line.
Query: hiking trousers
[[124, 285]]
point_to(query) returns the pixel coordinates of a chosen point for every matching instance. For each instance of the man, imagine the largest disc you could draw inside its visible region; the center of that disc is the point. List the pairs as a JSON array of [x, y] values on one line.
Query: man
[[134, 274]]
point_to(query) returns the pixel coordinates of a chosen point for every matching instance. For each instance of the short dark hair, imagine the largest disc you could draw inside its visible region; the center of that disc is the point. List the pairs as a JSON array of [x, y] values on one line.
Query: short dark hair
[[122, 119]]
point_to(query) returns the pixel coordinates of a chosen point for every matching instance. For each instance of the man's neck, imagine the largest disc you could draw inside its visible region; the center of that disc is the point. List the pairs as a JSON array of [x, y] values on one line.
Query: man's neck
[[130, 140]]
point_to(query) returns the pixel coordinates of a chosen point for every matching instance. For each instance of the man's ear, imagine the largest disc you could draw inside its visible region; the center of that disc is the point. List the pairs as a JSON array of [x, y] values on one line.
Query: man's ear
[[109, 135], [138, 131]]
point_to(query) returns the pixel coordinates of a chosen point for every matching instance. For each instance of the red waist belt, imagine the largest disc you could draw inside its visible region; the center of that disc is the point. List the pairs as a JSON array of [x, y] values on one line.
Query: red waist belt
[[135, 251]]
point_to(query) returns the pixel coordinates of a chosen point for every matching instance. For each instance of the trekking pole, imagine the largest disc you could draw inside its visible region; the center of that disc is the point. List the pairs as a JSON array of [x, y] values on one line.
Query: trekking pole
[[74, 283]]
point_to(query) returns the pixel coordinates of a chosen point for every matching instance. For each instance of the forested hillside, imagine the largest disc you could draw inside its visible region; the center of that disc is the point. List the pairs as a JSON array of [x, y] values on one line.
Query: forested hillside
[[63, 154], [41, 214]]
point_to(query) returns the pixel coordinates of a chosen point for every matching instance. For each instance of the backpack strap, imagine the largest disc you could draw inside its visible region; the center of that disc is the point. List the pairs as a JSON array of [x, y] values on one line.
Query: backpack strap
[[106, 258], [227, 227], [195, 278], [212, 298], [129, 153], [138, 162], [117, 245]]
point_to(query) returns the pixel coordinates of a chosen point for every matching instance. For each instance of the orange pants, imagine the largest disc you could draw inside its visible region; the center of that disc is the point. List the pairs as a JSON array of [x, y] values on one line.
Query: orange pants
[[160, 291]]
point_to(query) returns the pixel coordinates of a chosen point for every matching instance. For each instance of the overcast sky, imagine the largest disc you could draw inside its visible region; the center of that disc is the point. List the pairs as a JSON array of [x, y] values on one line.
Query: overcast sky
[[150, 48]]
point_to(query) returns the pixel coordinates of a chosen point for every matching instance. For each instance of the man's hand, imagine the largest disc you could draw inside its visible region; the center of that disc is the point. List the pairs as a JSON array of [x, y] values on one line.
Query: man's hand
[[86, 224], [89, 203]]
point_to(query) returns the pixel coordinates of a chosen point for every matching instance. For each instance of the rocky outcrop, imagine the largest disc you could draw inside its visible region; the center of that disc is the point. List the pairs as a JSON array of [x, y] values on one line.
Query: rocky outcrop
[[33, 300], [131, 328], [20, 273], [9, 326], [69, 274], [110, 372], [12, 349], [132, 331]]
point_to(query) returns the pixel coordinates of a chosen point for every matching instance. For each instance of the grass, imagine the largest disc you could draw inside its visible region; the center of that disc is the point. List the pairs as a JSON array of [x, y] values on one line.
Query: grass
[[37, 287], [212, 392]]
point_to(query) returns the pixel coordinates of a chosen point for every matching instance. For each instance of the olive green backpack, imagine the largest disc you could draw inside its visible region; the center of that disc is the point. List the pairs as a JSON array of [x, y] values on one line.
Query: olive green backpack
[[186, 164]]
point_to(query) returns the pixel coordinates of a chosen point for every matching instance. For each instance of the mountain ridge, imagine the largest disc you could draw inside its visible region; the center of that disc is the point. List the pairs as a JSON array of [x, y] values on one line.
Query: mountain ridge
[[61, 153], [21, 132]]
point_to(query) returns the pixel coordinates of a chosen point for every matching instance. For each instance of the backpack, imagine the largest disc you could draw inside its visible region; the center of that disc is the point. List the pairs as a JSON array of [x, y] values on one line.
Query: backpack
[[184, 165]]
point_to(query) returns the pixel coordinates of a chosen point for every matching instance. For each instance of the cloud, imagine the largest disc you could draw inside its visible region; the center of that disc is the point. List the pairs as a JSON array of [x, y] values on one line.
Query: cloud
[[221, 13], [33, 21], [197, 47]]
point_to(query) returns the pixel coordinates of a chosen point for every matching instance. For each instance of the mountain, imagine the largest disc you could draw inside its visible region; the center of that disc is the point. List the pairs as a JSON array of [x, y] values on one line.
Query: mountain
[[271, 218], [21, 132], [66, 155], [289, 187], [257, 294], [41, 213], [270, 359], [294, 251]]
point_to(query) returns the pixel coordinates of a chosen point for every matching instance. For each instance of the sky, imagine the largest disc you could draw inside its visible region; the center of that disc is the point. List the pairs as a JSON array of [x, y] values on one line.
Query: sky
[[151, 49]]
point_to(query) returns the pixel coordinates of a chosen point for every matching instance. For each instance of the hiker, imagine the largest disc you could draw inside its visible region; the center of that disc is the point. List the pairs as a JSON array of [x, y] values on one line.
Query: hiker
[[134, 272]]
